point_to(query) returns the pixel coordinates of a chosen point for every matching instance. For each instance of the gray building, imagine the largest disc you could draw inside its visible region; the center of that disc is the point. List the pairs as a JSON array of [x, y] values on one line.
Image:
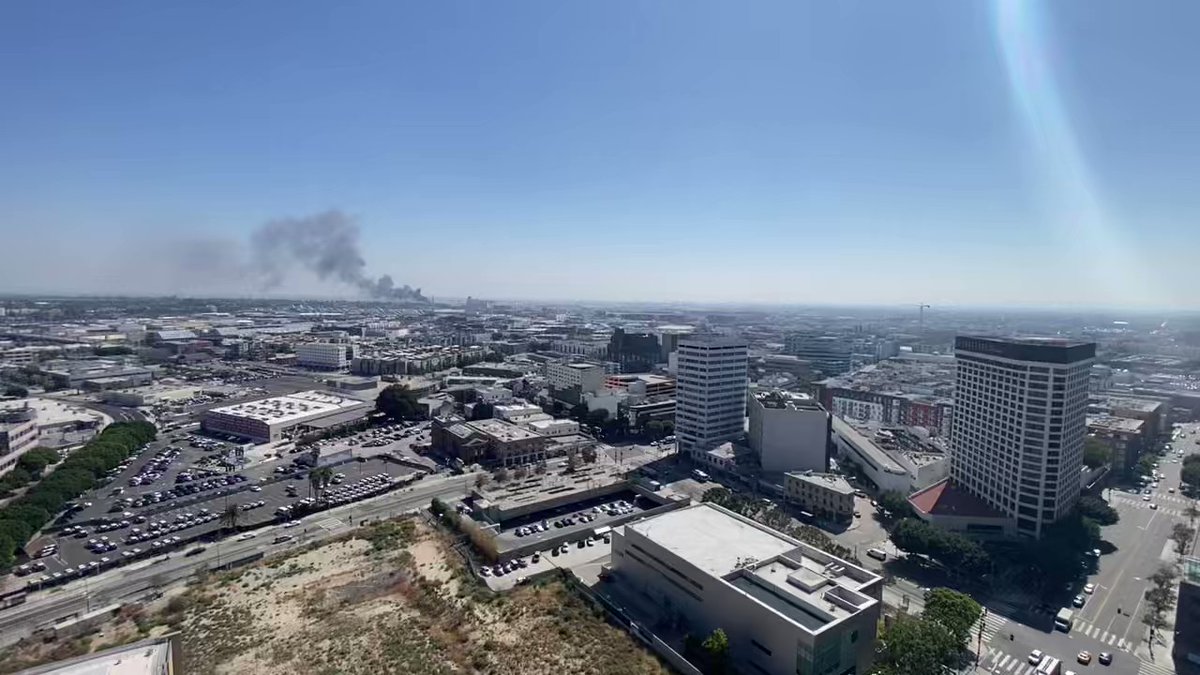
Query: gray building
[[787, 607], [789, 431], [828, 354]]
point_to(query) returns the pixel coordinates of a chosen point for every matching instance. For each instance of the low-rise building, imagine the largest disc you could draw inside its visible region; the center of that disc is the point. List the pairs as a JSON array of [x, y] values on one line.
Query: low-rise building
[[825, 495], [272, 419], [642, 385], [552, 428], [894, 459], [325, 355], [786, 607], [18, 434], [491, 441], [586, 377]]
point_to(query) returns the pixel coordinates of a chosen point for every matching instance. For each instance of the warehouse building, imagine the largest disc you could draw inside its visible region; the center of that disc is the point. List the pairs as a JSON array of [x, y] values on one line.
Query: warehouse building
[[272, 419], [786, 607]]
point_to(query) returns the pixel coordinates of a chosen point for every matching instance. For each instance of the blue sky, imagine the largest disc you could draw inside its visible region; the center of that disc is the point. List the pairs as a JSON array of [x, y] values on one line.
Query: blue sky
[[947, 151]]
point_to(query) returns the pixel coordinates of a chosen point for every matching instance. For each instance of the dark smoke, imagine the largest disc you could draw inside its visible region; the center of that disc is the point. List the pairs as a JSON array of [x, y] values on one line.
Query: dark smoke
[[327, 244]]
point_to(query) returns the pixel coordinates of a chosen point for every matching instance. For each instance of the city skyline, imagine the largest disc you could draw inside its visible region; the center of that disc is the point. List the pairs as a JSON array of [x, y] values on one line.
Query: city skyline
[[1001, 154]]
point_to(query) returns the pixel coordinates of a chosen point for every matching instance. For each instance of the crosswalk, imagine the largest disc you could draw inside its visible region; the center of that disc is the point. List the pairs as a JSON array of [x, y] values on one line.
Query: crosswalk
[[1102, 636], [998, 661], [1168, 510], [992, 623], [1165, 668]]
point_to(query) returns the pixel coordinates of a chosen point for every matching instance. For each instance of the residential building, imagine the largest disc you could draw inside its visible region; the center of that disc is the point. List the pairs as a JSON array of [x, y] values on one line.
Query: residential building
[[789, 431], [787, 608], [829, 354], [1019, 423], [710, 401], [825, 495], [273, 419], [587, 377], [325, 355], [18, 433]]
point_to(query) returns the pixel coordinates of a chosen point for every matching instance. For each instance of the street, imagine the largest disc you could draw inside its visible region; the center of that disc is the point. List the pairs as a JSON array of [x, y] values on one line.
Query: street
[[1111, 619]]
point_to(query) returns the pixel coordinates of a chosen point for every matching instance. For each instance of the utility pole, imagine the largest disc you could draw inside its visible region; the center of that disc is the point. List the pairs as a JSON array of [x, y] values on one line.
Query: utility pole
[[979, 642]]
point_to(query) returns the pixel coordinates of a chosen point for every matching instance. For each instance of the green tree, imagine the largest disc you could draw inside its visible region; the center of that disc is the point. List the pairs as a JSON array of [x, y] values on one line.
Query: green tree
[[230, 516], [588, 454], [896, 503], [1097, 510], [1145, 465], [483, 411], [956, 612], [654, 429], [578, 412], [597, 417], [914, 646], [1190, 473], [1096, 452], [1182, 536], [398, 402], [716, 648]]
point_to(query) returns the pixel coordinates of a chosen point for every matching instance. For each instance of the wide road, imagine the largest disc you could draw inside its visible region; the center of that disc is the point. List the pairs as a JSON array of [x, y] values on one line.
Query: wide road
[[1111, 619], [135, 581]]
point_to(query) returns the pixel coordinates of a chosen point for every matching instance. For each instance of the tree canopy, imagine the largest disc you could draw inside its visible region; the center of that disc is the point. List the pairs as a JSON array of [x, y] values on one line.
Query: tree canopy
[[1098, 510], [398, 402], [915, 646], [895, 503], [951, 549], [956, 612], [1096, 453]]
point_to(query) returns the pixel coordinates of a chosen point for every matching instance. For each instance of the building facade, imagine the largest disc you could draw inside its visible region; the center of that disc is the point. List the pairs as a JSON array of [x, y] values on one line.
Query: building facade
[[789, 432], [634, 352], [828, 354], [588, 377], [1020, 419], [18, 433], [325, 355], [826, 496], [710, 399], [787, 608]]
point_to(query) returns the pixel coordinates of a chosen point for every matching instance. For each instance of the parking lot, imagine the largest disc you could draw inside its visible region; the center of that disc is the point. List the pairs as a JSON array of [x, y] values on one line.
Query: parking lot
[[584, 556], [574, 520], [98, 536]]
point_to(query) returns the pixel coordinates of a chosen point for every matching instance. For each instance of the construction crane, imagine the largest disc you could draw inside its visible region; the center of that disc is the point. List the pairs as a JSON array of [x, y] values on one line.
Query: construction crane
[[921, 307]]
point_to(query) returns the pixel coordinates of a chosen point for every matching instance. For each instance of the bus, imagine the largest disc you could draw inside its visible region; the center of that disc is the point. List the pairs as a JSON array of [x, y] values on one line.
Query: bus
[[1064, 620]]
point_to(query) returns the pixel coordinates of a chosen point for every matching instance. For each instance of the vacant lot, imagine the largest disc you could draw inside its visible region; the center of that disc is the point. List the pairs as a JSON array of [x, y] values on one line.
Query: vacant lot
[[391, 598]]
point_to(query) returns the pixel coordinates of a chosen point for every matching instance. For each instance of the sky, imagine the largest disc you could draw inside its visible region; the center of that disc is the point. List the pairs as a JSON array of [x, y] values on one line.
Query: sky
[[953, 152]]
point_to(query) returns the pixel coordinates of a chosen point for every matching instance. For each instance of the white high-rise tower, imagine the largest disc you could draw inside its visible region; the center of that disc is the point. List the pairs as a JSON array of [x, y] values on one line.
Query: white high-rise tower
[[710, 397]]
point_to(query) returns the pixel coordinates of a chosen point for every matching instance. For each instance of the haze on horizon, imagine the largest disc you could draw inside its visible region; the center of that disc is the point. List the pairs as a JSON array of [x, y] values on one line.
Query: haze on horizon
[[1007, 153]]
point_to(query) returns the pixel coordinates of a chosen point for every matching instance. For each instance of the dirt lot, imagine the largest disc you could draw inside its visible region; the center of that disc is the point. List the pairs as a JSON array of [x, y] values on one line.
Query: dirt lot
[[388, 598]]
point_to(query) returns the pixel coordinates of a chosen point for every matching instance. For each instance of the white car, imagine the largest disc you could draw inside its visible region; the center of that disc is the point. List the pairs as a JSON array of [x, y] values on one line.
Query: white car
[[1089, 589], [291, 523], [1035, 657], [244, 536]]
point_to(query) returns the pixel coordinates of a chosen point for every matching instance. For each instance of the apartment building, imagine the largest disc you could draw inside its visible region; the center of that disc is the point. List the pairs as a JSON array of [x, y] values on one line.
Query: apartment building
[[710, 402]]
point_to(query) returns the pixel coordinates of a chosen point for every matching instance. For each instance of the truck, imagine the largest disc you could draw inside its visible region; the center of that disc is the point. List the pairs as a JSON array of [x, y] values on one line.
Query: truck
[[1064, 620]]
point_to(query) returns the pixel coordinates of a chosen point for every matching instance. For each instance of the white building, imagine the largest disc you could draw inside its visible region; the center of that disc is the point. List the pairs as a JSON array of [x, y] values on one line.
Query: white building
[[886, 463], [786, 607], [552, 427], [1020, 417], [589, 377], [710, 401], [789, 431], [518, 409], [18, 434], [270, 419], [326, 355], [826, 495]]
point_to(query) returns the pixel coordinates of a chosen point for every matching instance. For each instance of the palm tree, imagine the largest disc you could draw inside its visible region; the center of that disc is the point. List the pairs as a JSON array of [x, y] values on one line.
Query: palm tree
[[231, 516], [314, 481], [322, 477]]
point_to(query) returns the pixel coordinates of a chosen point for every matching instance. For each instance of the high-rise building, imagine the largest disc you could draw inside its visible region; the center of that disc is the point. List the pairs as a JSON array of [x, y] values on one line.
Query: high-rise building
[[1186, 650], [635, 352], [789, 432], [710, 391], [828, 354], [1019, 423]]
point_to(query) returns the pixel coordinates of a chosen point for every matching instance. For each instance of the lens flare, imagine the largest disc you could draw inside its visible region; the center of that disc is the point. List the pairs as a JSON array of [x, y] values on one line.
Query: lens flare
[[1109, 259]]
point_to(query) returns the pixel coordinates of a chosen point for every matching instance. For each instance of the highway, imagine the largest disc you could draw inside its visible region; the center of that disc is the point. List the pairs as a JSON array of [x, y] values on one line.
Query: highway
[[136, 581]]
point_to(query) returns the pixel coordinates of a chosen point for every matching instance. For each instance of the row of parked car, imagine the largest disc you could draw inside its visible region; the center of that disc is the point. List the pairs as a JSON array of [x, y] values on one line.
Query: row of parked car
[[154, 469]]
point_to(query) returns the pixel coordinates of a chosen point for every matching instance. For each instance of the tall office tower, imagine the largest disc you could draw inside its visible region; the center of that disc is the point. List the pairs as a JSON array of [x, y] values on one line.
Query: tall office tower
[[828, 354], [710, 394], [1019, 424]]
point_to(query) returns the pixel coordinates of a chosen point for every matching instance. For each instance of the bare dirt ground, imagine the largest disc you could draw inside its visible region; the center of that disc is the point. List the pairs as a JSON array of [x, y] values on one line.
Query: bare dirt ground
[[390, 598]]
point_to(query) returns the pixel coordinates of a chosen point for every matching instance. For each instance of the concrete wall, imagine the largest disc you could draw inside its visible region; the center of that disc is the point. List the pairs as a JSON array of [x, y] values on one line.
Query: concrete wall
[[789, 440]]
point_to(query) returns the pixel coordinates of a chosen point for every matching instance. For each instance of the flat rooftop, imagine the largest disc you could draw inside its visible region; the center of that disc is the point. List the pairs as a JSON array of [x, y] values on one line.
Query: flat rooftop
[[503, 431], [1118, 424], [827, 481], [292, 408], [711, 539], [141, 658], [785, 400]]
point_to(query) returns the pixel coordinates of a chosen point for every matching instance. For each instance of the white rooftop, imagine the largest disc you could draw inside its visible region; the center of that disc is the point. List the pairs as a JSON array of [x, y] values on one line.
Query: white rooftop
[[293, 407], [711, 540]]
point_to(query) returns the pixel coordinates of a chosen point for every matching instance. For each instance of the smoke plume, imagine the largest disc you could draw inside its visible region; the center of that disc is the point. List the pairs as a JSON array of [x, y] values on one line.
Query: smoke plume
[[325, 243]]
